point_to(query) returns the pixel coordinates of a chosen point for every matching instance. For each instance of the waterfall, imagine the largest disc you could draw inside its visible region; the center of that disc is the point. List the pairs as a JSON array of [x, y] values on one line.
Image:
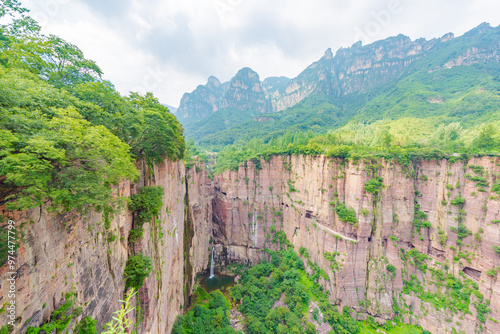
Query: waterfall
[[212, 264]]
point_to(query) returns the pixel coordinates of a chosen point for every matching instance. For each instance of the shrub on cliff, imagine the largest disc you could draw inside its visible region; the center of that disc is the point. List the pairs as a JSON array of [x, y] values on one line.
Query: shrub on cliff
[[86, 326], [496, 188], [60, 318], [347, 215], [391, 268], [147, 204], [496, 249], [491, 272], [373, 186], [137, 269], [458, 201]]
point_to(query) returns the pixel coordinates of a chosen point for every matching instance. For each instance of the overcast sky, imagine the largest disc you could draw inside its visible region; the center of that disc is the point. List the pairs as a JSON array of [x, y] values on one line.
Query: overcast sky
[[171, 46]]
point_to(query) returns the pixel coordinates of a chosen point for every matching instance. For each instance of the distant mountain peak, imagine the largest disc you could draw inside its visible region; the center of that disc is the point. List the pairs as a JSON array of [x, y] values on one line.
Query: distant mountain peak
[[356, 45], [328, 54], [447, 37], [213, 82], [480, 29], [353, 70], [247, 72]]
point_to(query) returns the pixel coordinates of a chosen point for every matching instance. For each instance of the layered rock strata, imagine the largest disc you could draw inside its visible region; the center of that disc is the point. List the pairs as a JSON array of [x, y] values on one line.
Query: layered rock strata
[[297, 195], [66, 253], [399, 251]]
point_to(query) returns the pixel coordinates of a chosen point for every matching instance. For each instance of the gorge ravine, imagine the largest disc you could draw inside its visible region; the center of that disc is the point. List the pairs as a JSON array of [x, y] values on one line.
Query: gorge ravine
[[238, 209]]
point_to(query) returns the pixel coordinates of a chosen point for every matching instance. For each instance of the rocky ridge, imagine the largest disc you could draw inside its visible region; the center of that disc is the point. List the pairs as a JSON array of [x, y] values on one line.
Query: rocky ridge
[[357, 69]]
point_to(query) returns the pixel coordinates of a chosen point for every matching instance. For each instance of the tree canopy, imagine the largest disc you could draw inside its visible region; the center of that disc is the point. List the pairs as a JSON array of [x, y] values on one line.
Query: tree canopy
[[66, 135]]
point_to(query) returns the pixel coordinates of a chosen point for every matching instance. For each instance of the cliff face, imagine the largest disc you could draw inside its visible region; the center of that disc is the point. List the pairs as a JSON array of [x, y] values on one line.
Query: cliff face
[[64, 253], [294, 194], [412, 224]]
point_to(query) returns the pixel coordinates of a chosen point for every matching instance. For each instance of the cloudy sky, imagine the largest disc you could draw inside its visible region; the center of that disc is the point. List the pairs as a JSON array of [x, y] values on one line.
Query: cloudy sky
[[170, 46]]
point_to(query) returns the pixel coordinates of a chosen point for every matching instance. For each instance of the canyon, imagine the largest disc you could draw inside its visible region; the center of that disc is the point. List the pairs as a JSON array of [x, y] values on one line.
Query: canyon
[[241, 210]]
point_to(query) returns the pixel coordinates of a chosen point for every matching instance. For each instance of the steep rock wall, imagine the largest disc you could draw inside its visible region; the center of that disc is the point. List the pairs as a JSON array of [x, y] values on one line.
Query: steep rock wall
[[294, 194], [70, 252]]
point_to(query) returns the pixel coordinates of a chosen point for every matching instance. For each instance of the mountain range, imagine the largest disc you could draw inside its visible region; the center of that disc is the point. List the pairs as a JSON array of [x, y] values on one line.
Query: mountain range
[[390, 78]]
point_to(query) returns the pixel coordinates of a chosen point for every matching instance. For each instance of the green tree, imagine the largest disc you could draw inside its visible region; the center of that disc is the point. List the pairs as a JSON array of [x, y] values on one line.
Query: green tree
[[63, 159], [486, 140], [386, 137], [147, 203], [20, 24], [156, 133], [310, 328], [137, 269]]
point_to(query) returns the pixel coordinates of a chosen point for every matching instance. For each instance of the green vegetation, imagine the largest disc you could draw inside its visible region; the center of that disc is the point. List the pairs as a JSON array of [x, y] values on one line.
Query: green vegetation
[[391, 268], [413, 140], [86, 326], [282, 279], [477, 169], [347, 215], [496, 188], [260, 287], [66, 135], [146, 205], [121, 324], [370, 327], [374, 185], [303, 251], [416, 258], [420, 219], [448, 292], [496, 249], [458, 201], [137, 269], [210, 315], [492, 272], [461, 230], [62, 317]]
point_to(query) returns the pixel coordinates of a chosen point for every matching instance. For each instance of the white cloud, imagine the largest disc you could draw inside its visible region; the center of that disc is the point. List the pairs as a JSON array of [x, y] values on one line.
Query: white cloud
[[169, 47]]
